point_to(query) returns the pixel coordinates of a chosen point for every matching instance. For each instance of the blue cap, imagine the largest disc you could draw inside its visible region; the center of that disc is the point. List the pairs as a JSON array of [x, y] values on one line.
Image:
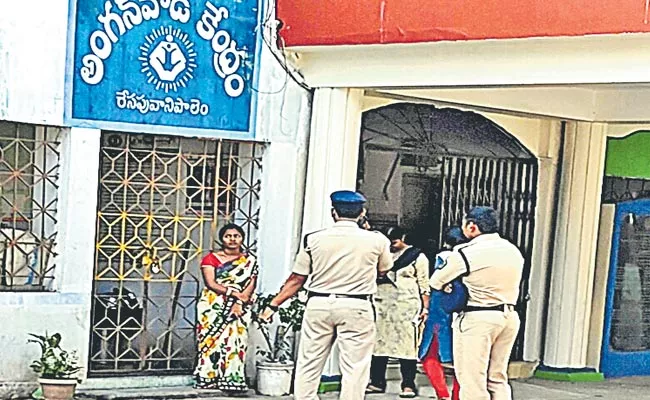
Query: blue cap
[[347, 197]]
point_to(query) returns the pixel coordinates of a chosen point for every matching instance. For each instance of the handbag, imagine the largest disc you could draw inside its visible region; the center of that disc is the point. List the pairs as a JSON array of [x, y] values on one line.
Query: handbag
[[456, 299]]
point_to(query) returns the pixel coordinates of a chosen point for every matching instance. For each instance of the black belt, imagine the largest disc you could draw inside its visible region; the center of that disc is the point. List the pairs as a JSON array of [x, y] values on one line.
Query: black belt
[[345, 296], [500, 307]]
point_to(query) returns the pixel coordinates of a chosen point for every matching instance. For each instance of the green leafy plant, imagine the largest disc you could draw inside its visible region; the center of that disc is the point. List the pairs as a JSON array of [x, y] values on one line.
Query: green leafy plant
[[279, 346], [54, 363]]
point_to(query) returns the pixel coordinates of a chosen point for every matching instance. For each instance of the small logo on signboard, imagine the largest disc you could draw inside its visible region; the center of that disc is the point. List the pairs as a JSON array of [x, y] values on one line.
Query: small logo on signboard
[[168, 58]]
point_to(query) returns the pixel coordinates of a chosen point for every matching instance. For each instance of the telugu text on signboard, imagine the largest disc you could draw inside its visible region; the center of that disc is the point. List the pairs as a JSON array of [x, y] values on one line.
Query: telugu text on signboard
[[181, 63]]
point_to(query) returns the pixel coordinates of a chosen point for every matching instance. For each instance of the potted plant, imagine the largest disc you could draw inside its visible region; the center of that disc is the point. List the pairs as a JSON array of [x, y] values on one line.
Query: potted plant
[[56, 368], [275, 369]]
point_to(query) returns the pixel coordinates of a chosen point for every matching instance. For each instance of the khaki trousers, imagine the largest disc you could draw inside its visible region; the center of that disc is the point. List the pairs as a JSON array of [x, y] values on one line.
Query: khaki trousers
[[483, 341], [349, 321]]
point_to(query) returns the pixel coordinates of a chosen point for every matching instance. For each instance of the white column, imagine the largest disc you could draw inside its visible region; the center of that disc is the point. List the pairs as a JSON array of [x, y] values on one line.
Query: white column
[[332, 162], [549, 143], [283, 179], [283, 119], [576, 232], [333, 151], [78, 211]]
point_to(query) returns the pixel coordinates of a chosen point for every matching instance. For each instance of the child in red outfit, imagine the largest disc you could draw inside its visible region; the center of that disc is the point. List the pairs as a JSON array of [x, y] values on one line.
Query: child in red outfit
[[435, 372], [436, 338]]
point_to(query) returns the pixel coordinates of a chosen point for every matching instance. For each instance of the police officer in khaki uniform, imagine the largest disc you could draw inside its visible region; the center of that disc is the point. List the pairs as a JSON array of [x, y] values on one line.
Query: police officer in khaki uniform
[[485, 331], [339, 266]]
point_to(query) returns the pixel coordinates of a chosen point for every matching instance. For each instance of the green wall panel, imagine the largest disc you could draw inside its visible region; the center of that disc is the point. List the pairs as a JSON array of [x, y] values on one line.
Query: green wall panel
[[629, 156]]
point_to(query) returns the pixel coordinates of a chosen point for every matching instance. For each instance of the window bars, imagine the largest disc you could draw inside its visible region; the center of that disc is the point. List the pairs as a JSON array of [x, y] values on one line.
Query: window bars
[[29, 173], [617, 189]]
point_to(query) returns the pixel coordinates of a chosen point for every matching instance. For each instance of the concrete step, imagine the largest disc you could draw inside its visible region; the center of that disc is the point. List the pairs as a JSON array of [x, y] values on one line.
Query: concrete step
[[516, 370], [158, 393], [522, 369]]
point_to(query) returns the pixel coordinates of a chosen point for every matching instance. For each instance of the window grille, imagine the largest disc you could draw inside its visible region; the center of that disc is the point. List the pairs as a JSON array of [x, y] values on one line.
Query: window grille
[[617, 189], [29, 174]]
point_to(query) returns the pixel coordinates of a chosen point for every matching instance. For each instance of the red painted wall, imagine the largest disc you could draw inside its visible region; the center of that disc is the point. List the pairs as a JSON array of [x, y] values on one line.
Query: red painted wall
[[331, 22]]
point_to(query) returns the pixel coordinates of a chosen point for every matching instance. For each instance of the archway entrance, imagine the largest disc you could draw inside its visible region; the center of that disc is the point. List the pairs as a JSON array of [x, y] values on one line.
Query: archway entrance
[[423, 167]]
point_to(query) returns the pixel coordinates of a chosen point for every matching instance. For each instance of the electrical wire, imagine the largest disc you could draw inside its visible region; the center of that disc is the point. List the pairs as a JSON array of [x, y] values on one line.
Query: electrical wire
[[278, 52]]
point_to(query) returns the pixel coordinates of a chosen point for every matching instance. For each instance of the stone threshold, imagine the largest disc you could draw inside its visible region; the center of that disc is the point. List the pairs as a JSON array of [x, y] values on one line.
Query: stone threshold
[[163, 388], [157, 393]]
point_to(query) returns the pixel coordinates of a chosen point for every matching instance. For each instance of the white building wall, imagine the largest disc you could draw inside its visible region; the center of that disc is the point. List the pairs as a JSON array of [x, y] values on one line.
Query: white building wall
[[32, 61], [32, 69]]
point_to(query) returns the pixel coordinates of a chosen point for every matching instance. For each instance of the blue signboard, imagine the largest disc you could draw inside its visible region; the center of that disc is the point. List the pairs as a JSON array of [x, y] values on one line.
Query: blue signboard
[[164, 66]]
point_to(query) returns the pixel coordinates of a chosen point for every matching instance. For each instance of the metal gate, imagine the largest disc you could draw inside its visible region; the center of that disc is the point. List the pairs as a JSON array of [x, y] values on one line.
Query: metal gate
[[460, 159], [161, 201], [507, 185]]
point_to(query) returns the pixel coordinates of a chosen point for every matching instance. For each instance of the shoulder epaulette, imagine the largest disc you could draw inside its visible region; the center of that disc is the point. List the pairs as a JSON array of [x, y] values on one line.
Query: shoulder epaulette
[[308, 251], [304, 240], [465, 260]]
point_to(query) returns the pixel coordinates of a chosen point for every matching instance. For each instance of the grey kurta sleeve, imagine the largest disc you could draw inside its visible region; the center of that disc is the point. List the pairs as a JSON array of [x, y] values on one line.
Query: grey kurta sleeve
[[422, 273]]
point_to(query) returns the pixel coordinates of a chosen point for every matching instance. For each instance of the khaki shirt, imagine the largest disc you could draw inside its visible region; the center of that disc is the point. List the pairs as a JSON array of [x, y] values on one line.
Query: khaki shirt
[[343, 259], [495, 270]]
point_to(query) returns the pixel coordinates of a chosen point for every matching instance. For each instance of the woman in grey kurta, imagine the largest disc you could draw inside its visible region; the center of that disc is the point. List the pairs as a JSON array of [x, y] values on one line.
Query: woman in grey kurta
[[401, 303]]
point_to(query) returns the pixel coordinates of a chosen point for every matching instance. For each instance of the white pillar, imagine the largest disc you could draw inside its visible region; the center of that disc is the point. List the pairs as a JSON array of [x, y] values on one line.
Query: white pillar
[[283, 119], [283, 180], [78, 211], [332, 162], [333, 151], [77, 220], [549, 143], [576, 232]]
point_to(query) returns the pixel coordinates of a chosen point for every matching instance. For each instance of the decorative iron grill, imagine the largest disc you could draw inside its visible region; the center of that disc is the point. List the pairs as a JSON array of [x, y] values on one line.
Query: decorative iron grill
[[617, 189], [162, 200], [510, 187], [29, 173]]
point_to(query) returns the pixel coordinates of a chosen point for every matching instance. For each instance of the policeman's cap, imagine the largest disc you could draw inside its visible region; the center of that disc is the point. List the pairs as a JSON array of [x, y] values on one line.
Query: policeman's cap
[[347, 197]]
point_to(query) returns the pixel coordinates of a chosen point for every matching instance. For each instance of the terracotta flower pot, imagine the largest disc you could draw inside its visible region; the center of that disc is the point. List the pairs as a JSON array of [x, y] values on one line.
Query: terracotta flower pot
[[58, 389]]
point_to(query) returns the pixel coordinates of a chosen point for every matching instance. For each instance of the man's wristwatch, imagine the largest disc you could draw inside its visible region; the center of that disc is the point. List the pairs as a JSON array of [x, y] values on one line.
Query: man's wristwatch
[[273, 308]]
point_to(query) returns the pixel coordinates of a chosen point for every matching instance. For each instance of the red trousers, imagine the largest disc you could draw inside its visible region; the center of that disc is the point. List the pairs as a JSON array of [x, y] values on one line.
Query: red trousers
[[433, 368]]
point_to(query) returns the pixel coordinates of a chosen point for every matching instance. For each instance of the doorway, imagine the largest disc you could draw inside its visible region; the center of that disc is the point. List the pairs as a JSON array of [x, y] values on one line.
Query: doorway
[[423, 167], [161, 201]]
